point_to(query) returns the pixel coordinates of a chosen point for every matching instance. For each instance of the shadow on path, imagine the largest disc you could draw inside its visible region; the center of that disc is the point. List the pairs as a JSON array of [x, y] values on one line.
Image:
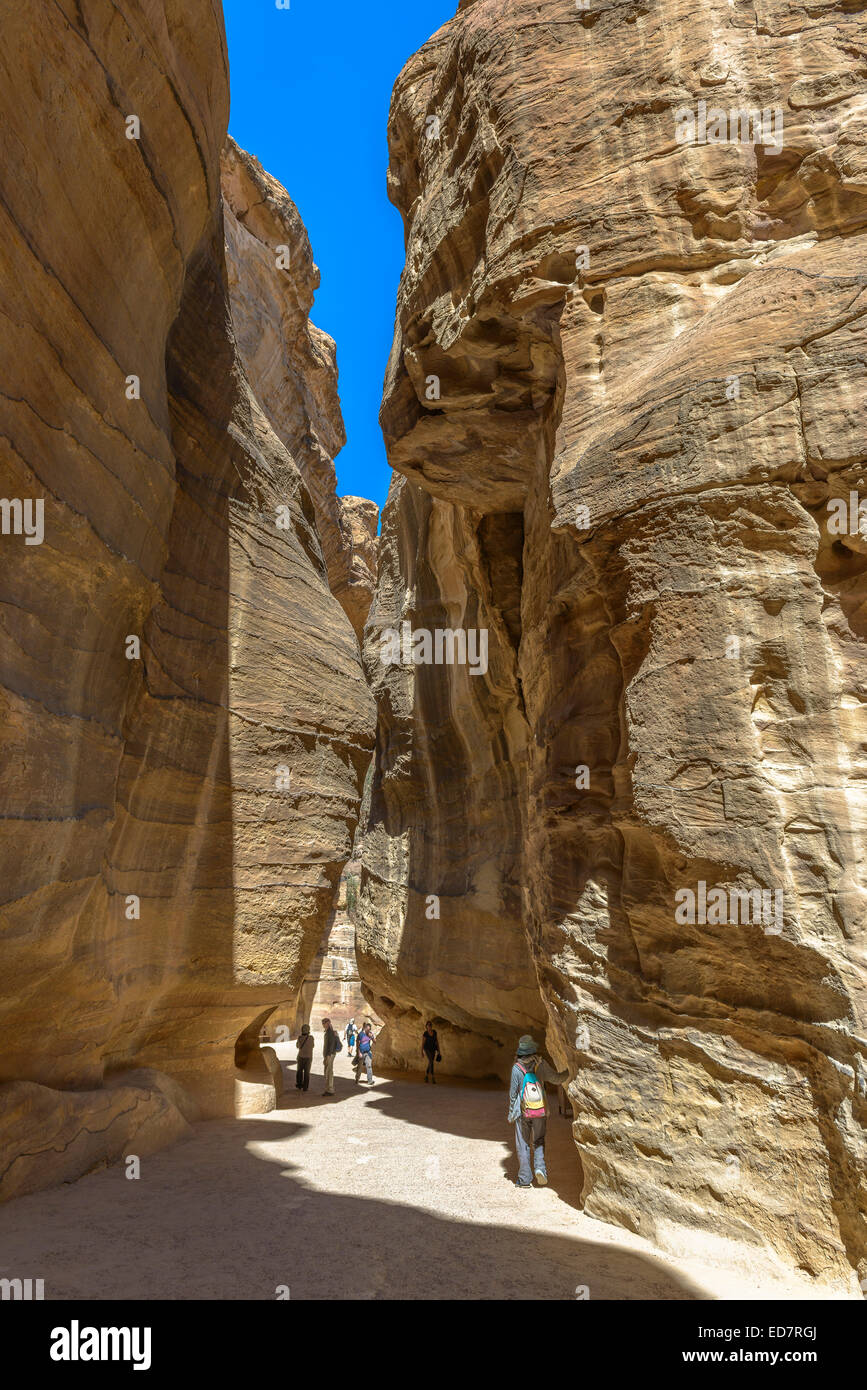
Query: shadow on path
[[410, 1100], [214, 1218]]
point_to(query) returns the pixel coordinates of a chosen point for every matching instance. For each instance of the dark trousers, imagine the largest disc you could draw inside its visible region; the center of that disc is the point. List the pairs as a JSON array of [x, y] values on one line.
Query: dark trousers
[[430, 1062], [302, 1074]]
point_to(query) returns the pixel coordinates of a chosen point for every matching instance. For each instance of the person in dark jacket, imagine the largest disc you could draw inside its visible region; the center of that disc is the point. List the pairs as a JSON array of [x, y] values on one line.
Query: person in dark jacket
[[430, 1049], [330, 1045], [304, 1044], [530, 1126]]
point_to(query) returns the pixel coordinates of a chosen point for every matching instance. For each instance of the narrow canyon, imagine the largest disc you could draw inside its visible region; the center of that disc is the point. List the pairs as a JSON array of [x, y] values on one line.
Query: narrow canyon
[[584, 714]]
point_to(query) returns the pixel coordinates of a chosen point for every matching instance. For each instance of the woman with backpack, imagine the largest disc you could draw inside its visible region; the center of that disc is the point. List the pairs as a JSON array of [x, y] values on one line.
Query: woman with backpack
[[527, 1109], [430, 1048], [364, 1054]]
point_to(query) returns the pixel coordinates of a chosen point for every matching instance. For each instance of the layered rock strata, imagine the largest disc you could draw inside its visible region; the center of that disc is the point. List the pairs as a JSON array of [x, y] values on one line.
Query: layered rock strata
[[332, 988], [361, 517], [626, 389], [184, 721], [440, 931], [292, 365]]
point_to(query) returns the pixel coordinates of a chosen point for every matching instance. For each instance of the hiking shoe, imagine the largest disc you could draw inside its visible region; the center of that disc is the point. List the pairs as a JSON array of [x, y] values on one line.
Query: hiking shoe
[[524, 1185], [542, 1179]]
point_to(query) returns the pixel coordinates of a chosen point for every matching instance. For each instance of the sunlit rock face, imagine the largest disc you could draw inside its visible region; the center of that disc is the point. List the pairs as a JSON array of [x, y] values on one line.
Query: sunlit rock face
[[332, 988], [292, 366], [361, 516], [627, 385], [184, 722]]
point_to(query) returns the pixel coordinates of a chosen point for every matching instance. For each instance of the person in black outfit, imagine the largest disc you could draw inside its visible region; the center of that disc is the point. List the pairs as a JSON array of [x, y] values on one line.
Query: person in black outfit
[[430, 1048], [305, 1046]]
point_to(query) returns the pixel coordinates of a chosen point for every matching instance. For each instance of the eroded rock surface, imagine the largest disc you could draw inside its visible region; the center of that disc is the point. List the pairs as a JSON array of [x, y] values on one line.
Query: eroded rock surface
[[651, 364], [361, 516], [177, 808], [292, 366], [332, 988], [440, 931]]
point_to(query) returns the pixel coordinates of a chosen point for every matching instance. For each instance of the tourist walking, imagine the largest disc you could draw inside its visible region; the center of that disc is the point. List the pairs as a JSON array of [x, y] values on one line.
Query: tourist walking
[[430, 1049], [350, 1034], [364, 1054], [304, 1043], [331, 1045], [527, 1109]]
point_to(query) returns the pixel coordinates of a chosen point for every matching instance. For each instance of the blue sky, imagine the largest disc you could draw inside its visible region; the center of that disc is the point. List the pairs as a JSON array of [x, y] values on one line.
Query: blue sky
[[310, 93]]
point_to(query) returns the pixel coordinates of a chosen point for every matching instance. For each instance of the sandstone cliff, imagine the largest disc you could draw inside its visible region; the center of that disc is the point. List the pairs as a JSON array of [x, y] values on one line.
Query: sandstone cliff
[[628, 378], [183, 717], [361, 518], [440, 929], [291, 365], [332, 988]]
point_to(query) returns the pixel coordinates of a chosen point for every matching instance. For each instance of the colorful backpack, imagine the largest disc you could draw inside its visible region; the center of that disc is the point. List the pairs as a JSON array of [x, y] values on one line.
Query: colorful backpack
[[532, 1096]]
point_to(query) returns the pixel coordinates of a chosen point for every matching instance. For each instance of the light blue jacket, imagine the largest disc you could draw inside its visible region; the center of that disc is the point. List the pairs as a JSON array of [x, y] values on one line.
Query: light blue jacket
[[543, 1070]]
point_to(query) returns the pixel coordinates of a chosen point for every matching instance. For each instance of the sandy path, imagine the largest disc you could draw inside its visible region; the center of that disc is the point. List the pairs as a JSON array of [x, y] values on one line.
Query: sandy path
[[410, 1184]]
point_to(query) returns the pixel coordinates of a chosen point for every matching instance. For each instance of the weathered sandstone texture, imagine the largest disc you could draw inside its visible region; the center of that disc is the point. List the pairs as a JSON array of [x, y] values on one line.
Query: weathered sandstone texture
[[176, 817], [292, 365], [440, 931], [332, 987], [652, 362], [361, 516]]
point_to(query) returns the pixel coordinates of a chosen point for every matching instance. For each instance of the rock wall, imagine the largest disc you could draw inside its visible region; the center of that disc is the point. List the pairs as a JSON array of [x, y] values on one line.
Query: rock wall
[[292, 365], [628, 379], [361, 517], [332, 988], [184, 724], [440, 931]]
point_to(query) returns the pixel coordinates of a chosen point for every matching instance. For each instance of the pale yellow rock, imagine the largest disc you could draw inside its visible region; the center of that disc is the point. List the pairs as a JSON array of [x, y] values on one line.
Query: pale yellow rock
[[176, 808], [652, 363], [292, 364], [332, 987], [440, 932], [52, 1136], [362, 518], [253, 1096]]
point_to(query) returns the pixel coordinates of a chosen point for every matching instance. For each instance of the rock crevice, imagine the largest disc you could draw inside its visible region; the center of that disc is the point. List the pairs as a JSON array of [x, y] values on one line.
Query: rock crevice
[[650, 356], [184, 721]]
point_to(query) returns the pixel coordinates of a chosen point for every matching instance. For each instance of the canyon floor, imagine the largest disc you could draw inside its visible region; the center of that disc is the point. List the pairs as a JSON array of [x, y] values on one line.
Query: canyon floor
[[396, 1191]]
